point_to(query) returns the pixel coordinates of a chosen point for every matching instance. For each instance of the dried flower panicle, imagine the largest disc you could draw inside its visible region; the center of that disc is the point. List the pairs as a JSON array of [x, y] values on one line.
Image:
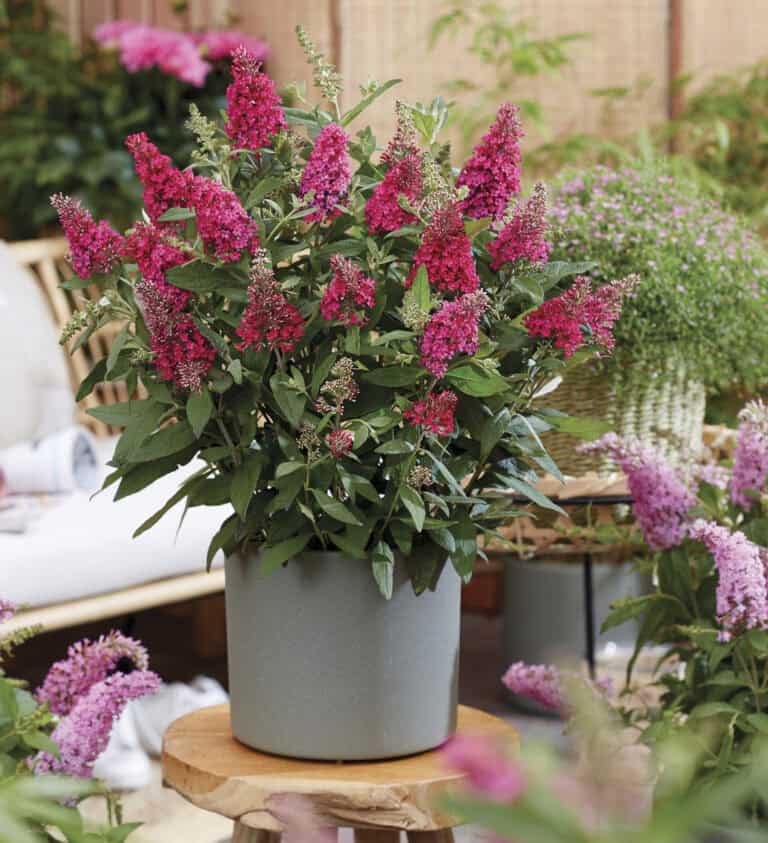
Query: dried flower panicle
[[340, 442], [309, 442], [340, 389], [420, 477], [403, 144]]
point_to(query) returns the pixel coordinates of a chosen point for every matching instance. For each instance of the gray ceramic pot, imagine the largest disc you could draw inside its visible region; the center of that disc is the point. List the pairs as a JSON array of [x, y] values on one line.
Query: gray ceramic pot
[[322, 666], [544, 610]]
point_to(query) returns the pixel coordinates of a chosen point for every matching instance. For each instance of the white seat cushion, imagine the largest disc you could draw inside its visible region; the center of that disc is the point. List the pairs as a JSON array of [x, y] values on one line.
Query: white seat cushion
[[35, 393], [82, 547]]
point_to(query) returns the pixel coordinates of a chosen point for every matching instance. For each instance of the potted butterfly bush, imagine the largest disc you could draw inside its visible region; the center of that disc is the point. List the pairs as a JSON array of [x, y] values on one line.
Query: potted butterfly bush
[[340, 338]]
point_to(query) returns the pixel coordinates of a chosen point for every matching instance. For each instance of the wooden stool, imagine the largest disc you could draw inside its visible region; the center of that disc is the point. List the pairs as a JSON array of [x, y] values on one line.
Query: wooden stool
[[205, 764]]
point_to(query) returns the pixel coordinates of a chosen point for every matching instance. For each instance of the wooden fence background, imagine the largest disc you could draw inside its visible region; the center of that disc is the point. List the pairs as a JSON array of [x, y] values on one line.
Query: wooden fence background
[[380, 39]]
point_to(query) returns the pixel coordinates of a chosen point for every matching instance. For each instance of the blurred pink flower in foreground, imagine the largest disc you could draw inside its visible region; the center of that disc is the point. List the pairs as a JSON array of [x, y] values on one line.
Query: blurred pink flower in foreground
[[300, 820], [219, 44], [488, 769]]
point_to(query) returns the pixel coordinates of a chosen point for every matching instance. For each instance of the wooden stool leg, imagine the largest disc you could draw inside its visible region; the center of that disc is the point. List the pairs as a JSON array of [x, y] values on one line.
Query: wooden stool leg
[[377, 835], [244, 834], [443, 835]]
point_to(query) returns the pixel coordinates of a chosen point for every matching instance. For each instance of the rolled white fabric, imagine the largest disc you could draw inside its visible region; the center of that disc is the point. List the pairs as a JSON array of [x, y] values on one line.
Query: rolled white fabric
[[62, 462]]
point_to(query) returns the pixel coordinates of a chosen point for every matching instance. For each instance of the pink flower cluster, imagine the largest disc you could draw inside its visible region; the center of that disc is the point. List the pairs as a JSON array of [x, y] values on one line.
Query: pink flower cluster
[[492, 174], [742, 596], [182, 355], [94, 246], [404, 178], [488, 770], [327, 173], [524, 236], [581, 316], [540, 683], [661, 499], [89, 690], [223, 224], [149, 246], [340, 442], [7, 610], [164, 186], [270, 321], [453, 329], [142, 47], [87, 663], [434, 413], [348, 295], [446, 252], [84, 733], [254, 113], [750, 459], [219, 44]]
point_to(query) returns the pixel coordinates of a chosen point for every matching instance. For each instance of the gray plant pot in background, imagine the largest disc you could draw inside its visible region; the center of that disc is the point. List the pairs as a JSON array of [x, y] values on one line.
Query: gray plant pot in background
[[544, 610], [322, 666]]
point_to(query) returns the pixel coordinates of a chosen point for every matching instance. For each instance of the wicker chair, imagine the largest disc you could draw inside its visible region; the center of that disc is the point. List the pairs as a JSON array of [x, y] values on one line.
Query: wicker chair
[[46, 258]]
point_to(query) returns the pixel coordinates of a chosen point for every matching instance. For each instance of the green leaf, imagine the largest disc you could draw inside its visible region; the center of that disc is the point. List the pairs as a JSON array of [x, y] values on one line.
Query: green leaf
[[290, 400], [712, 709], [477, 381], [177, 215], [138, 478], [532, 493], [185, 489], [464, 556], [759, 721], [415, 505], [117, 346], [334, 508], [168, 440], [273, 557], [395, 446], [235, 369], [394, 375], [120, 415], [198, 277], [244, 480], [383, 564], [224, 536], [354, 112], [474, 227], [199, 410], [94, 377], [41, 741], [420, 289]]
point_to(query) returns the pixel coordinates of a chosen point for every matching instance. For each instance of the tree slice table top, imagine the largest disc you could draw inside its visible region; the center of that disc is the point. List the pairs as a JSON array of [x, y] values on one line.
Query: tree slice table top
[[205, 764]]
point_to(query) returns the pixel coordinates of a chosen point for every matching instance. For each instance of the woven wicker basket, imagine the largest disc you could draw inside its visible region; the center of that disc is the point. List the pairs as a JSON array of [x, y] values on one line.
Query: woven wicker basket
[[666, 409]]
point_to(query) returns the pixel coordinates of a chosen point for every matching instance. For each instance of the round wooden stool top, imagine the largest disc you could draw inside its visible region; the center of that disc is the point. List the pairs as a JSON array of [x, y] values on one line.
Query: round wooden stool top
[[207, 766]]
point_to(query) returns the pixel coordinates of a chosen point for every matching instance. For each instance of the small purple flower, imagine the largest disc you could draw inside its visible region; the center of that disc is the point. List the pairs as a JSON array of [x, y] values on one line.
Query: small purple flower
[[7, 610], [750, 459]]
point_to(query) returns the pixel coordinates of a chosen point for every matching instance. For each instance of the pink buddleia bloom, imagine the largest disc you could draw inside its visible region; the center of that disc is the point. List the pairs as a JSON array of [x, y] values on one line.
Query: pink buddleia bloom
[[662, 496], [446, 252], [270, 321], [349, 295], [488, 770], [220, 44], [109, 34], [742, 597], [87, 663], [224, 226], [452, 330], [434, 413], [581, 316], [7, 610], [93, 246], [492, 174], [524, 235], [382, 211], [540, 683], [254, 112], [149, 246], [174, 53], [340, 442], [182, 355], [164, 186], [327, 173], [750, 459], [84, 733]]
